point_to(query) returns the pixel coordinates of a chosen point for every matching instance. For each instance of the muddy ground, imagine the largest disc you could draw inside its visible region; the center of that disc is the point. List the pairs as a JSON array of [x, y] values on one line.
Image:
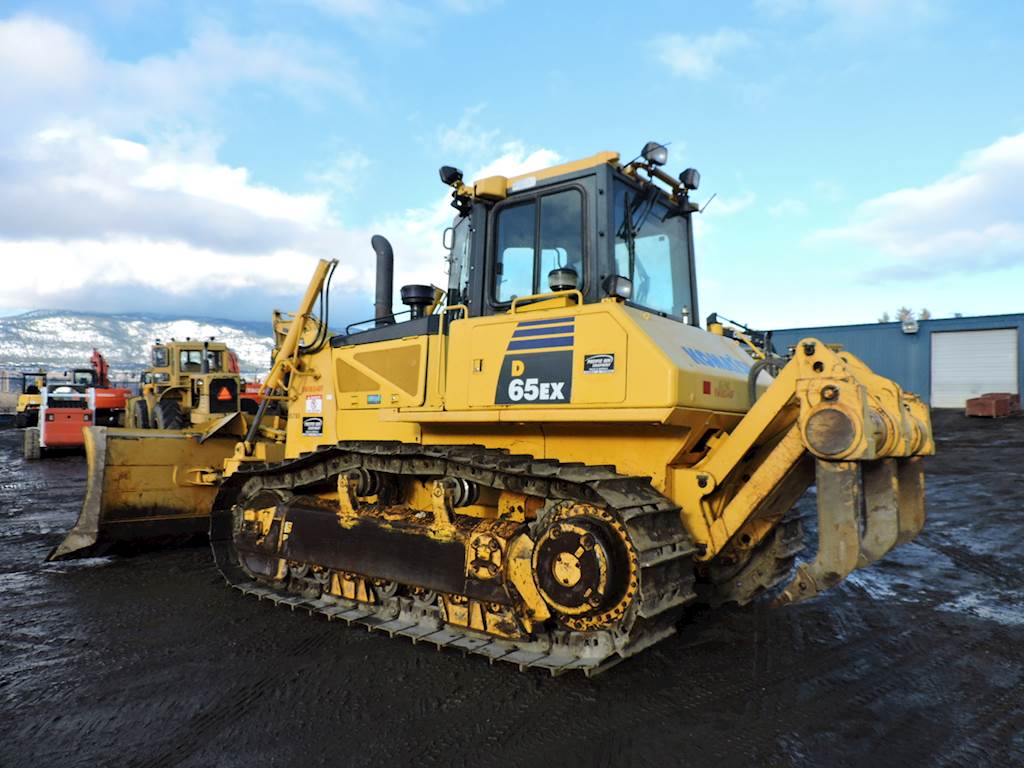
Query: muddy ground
[[152, 661]]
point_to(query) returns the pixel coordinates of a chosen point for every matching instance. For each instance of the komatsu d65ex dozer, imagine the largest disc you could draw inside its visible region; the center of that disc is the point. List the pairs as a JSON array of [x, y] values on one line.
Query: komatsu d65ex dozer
[[549, 466]]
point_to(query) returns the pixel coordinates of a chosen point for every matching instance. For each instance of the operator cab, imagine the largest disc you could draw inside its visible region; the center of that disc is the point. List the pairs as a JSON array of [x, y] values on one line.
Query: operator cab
[[32, 382], [83, 377], [184, 358], [592, 228]]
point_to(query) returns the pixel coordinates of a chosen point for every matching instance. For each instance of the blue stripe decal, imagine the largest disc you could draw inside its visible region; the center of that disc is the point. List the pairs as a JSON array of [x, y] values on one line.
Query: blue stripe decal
[[541, 331], [554, 341], [549, 321]]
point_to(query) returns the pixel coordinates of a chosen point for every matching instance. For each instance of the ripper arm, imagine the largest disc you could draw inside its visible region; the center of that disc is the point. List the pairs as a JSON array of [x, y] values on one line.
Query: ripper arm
[[828, 419]]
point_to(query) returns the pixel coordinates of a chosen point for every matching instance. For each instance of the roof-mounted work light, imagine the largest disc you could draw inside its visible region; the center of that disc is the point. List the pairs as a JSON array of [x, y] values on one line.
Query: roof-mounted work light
[[655, 153]]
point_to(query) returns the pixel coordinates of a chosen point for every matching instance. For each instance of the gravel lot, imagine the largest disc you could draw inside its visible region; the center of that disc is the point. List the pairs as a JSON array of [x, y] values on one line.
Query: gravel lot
[[152, 661]]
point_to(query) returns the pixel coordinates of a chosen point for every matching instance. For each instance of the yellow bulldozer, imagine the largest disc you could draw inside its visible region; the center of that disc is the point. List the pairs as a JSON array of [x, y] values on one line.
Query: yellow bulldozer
[[547, 467]]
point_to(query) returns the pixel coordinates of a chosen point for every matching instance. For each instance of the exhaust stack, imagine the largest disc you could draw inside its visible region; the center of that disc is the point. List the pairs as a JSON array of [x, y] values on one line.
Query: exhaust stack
[[382, 311]]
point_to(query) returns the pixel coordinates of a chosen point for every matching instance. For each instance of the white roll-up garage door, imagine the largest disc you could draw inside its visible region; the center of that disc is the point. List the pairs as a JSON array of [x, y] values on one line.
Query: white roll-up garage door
[[966, 364]]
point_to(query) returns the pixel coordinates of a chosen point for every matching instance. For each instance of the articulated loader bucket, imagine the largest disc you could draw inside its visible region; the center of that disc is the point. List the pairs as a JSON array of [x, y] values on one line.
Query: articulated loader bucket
[[145, 488]]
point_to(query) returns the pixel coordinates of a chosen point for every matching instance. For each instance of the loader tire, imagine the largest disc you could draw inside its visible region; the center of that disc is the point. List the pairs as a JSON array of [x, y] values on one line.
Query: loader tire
[[140, 414], [169, 415], [20, 420], [31, 444]]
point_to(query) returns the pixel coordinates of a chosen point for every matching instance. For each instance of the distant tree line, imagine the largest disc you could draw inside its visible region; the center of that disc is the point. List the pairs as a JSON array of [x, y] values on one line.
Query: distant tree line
[[907, 315]]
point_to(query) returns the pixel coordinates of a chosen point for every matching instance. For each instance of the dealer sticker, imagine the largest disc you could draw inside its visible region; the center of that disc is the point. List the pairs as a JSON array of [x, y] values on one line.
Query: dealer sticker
[[312, 425], [604, 363], [314, 404]]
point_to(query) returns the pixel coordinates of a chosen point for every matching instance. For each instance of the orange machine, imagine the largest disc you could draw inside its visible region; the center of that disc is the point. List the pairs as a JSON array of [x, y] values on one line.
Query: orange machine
[[249, 398], [84, 400]]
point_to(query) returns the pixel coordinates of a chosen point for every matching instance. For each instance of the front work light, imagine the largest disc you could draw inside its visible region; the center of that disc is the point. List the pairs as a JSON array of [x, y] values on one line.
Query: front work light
[[618, 286], [690, 178], [655, 153]]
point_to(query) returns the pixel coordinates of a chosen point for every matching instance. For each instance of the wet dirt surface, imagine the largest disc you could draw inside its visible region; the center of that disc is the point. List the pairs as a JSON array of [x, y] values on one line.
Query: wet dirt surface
[[152, 661]]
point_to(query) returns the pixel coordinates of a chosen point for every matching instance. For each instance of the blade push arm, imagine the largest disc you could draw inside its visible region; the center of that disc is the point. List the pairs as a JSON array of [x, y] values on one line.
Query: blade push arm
[[286, 358]]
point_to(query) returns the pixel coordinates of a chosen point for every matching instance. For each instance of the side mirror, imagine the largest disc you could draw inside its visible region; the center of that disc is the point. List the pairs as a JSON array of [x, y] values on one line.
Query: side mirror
[[450, 176]]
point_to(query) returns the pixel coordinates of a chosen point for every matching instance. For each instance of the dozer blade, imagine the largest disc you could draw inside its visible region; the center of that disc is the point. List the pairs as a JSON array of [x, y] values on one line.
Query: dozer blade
[[145, 488]]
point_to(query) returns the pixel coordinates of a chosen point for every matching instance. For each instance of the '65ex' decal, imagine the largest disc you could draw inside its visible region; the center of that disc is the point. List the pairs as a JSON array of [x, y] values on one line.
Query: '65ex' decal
[[541, 377]]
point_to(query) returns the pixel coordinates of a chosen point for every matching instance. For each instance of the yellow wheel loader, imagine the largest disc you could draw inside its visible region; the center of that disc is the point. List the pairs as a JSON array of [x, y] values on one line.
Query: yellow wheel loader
[[548, 467], [189, 383], [26, 412]]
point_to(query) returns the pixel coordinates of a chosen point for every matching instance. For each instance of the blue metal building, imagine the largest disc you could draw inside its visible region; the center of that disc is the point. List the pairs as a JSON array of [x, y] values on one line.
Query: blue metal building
[[945, 361]]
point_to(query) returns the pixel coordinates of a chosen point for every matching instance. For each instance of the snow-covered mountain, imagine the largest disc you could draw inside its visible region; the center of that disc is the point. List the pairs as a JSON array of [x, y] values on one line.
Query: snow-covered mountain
[[58, 340]]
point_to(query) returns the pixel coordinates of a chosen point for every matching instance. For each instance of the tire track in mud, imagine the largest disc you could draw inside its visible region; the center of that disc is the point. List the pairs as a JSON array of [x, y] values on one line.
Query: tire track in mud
[[979, 563], [232, 702], [193, 676]]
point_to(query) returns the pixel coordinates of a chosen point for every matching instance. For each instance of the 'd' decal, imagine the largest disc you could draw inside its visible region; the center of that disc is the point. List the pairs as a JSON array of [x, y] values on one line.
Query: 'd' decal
[[538, 363]]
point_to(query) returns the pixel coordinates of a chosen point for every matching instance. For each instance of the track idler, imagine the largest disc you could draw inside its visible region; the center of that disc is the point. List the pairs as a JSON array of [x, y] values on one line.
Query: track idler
[[864, 510]]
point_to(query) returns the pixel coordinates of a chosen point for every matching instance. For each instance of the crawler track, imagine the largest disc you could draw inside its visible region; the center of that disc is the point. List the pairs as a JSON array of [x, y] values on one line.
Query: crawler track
[[652, 522]]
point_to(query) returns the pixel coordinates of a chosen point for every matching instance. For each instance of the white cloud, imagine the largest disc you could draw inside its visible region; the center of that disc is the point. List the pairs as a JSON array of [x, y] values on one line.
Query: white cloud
[[857, 18], [968, 220], [780, 7], [114, 220], [727, 206], [787, 207], [402, 21], [698, 57], [82, 211], [467, 138], [416, 233], [75, 181], [43, 59], [49, 71], [93, 219], [470, 6], [395, 18], [343, 174]]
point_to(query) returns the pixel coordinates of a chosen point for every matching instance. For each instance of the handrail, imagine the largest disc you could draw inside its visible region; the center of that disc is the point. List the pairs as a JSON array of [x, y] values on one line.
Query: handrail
[[442, 361], [549, 295], [392, 318]]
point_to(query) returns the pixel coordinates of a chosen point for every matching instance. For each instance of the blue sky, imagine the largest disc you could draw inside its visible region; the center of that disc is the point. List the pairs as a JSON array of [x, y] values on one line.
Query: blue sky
[[197, 157]]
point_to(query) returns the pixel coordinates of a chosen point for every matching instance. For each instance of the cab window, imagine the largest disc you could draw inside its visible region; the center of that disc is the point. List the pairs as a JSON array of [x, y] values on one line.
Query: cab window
[[159, 357], [535, 237], [652, 249], [192, 360]]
